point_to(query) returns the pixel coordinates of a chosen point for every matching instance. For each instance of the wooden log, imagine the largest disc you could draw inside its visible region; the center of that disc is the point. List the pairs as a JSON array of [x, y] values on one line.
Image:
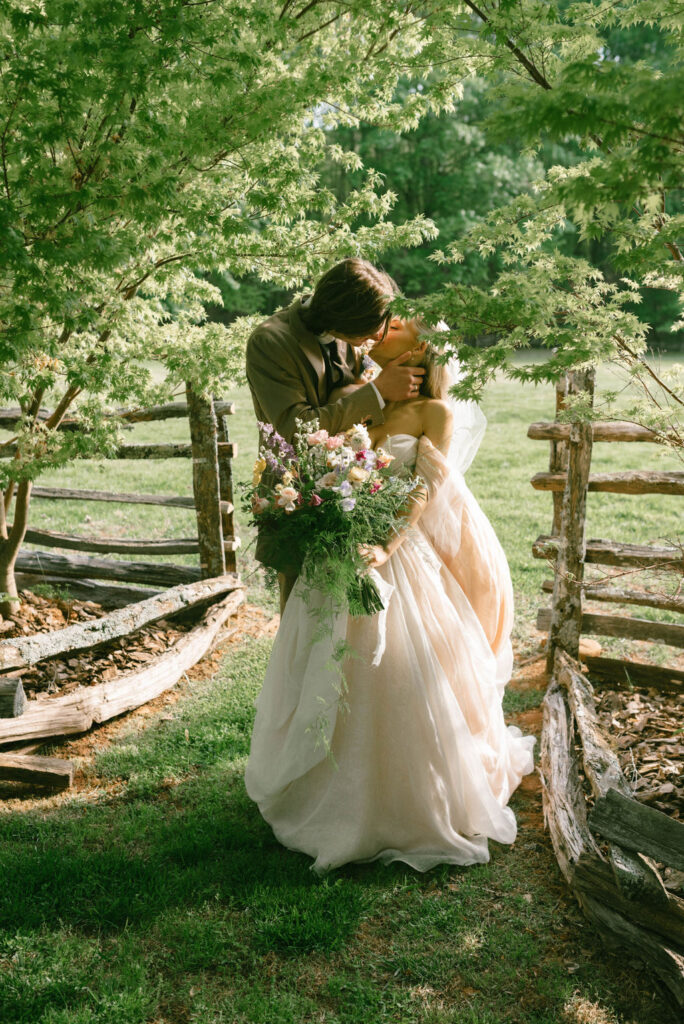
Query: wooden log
[[601, 764], [622, 626], [565, 811], [22, 651], [634, 877], [76, 712], [12, 697], [558, 453], [172, 410], [618, 930], [566, 614], [168, 450], [624, 673], [610, 430], [637, 827], [86, 590], [113, 545], [595, 878], [205, 483], [608, 552], [225, 468], [71, 494], [630, 482], [637, 879], [38, 771], [82, 567], [616, 595]]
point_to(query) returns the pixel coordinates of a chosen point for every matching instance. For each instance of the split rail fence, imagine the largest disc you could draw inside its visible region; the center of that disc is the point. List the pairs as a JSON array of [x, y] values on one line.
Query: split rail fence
[[211, 593], [609, 847], [211, 451]]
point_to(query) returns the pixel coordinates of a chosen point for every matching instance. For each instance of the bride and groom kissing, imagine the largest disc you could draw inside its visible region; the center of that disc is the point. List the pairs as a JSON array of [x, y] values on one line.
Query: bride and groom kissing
[[420, 766]]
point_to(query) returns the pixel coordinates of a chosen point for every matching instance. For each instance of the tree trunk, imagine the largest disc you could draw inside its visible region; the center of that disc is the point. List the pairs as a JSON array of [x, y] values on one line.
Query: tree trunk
[[9, 549]]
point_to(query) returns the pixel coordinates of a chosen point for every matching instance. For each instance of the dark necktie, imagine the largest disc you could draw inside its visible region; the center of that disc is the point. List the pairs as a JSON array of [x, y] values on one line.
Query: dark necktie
[[337, 371]]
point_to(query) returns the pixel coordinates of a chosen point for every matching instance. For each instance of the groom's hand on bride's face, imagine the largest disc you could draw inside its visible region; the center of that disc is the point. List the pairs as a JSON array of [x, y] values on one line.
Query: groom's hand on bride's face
[[396, 381]]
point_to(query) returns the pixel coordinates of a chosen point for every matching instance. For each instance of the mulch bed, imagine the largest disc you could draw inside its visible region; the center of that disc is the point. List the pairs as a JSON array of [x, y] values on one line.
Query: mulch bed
[[61, 675]]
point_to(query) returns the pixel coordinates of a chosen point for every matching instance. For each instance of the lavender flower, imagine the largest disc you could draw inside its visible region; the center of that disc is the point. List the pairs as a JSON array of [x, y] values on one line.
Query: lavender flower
[[347, 504]]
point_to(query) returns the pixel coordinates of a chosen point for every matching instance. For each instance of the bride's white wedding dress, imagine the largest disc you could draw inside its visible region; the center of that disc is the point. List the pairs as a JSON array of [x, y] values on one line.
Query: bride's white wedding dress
[[420, 764]]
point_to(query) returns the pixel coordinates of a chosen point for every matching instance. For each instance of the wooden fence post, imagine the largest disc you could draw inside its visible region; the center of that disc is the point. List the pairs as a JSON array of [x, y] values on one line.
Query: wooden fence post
[[566, 612], [205, 483], [225, 467], [558, 461]]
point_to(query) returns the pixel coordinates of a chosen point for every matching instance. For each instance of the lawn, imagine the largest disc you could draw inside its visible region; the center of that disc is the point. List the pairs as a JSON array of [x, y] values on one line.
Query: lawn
[[157, 895]]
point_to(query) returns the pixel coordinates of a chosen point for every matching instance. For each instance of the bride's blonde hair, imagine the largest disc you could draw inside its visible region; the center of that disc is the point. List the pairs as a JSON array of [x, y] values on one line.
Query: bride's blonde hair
[[437, 379]]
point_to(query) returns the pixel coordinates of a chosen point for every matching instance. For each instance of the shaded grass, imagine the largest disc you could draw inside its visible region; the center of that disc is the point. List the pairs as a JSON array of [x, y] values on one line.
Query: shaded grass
[[172, 902]]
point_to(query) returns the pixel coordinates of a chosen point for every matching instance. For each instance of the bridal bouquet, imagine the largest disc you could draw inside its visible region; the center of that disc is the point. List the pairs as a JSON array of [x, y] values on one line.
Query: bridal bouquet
[[322, 498]]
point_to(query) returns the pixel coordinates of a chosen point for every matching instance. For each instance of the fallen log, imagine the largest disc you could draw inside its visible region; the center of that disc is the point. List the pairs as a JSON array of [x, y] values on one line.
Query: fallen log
[[86, 590], [619, 931], [20, 652], [72, 494], [608, 552], [81, 567], [594, 877], [631, 673], [623, 626], [113, 545], [39, 771], [76, 712], [565, 810], [12, 697], [614, 595], [601, 764], [609, 430], [640, 828], [632, 482], [634, 877], [582, 864]]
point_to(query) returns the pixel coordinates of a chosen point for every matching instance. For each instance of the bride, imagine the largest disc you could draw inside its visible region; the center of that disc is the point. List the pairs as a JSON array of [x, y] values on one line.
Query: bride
[[415, 762]]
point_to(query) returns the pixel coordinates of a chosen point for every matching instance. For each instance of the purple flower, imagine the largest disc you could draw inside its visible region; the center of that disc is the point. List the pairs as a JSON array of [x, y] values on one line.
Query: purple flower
[[265, 428], [347, 504], [344, 489]]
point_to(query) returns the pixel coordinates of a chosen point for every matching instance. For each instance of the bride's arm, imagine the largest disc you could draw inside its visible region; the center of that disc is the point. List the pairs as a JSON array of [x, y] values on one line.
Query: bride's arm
[[438, 425]]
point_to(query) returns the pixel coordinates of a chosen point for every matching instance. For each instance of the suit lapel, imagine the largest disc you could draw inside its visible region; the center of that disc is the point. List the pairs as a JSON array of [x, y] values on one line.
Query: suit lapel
[[311, 347]]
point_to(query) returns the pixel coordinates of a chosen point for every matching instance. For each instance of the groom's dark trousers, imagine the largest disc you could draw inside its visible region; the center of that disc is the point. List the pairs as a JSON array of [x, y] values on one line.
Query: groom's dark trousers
[[286, 373]]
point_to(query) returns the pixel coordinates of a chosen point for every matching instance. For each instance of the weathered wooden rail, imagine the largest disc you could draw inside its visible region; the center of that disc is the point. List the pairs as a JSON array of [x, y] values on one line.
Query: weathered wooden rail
[[619, 886], [609, 858], [211, 452], [212, 589], [569, 480]]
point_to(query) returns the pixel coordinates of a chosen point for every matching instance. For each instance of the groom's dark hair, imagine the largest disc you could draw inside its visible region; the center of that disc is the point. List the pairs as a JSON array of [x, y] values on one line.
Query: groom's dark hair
[[353, 298]]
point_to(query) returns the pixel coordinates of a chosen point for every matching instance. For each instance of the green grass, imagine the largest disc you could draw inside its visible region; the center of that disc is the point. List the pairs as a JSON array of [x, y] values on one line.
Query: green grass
[[172, 902], [159, 896]]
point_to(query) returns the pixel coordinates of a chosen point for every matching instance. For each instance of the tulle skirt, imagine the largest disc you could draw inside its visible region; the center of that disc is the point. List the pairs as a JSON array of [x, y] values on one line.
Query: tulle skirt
[[399, 751]]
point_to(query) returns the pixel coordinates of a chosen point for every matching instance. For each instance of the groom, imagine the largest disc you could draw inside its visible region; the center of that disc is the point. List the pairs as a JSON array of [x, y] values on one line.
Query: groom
[[297, 357]]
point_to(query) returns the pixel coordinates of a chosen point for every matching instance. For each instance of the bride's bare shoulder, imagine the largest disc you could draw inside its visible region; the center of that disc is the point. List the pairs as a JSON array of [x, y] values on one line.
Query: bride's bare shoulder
[[438, 422]]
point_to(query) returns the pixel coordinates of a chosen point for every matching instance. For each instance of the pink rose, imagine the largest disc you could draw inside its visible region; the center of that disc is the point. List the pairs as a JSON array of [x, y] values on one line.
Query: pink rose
[[331, 443], [377, 486], [260, 505], [316, 500], [318, 437]]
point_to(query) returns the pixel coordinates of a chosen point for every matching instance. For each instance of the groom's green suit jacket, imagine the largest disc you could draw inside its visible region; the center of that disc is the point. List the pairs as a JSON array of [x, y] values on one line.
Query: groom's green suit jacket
[[286, 376]]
